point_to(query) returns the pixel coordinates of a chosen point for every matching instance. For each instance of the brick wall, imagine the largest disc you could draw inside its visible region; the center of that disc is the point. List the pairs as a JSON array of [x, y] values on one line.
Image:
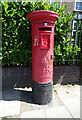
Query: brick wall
[[67, 74], [22, 76], [16, 77]]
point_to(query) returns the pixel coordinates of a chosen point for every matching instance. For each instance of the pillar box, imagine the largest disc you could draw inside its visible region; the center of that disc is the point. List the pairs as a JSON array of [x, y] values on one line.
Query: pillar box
[[42, 54]]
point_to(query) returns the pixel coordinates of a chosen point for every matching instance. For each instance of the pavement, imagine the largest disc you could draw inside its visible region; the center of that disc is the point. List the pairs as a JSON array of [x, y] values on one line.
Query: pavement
[[18, 103]]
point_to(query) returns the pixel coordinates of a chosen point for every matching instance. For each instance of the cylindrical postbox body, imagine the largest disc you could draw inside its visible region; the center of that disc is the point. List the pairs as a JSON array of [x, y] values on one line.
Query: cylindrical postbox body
[[42, 54]]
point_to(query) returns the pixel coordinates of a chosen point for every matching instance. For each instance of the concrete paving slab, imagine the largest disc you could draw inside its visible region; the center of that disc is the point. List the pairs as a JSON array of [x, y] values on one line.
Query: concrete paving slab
[[70, 96], [57, 112], [76, 115], [34, 114], [76, 90], [8, 108], [66, 92], [37, 107], [73, 106], [65, 104], [24, 106], [57, 100]]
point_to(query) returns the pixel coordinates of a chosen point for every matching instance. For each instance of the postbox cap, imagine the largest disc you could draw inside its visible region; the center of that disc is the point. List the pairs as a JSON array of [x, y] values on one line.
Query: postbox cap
[[43, 15]]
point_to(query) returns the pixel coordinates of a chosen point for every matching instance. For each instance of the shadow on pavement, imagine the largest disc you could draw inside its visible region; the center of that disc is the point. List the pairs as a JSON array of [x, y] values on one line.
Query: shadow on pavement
[[16, 77], [17, 95]]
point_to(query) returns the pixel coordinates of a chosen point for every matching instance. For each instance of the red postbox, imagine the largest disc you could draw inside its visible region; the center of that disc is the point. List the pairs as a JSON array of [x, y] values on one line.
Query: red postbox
[[42, 54]]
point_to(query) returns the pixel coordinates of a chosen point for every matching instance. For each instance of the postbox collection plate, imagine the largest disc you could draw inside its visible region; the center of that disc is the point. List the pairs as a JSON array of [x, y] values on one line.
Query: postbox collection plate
[[44, 40]]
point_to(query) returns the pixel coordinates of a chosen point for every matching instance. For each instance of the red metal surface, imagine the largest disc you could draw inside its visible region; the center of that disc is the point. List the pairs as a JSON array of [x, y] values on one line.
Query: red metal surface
[[45, 40], [42, 45], [43, 15]]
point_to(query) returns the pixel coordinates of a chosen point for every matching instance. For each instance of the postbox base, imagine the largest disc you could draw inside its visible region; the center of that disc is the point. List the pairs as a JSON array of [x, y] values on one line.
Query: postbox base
[[42, 93]]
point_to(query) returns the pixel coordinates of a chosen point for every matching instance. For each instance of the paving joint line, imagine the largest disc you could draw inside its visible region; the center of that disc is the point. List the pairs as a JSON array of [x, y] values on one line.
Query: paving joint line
[[44, 112], [66, 107]]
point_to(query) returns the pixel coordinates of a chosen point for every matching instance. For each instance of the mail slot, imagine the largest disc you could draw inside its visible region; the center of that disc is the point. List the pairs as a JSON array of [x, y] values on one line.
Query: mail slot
[[45, 29], [42, 54]]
